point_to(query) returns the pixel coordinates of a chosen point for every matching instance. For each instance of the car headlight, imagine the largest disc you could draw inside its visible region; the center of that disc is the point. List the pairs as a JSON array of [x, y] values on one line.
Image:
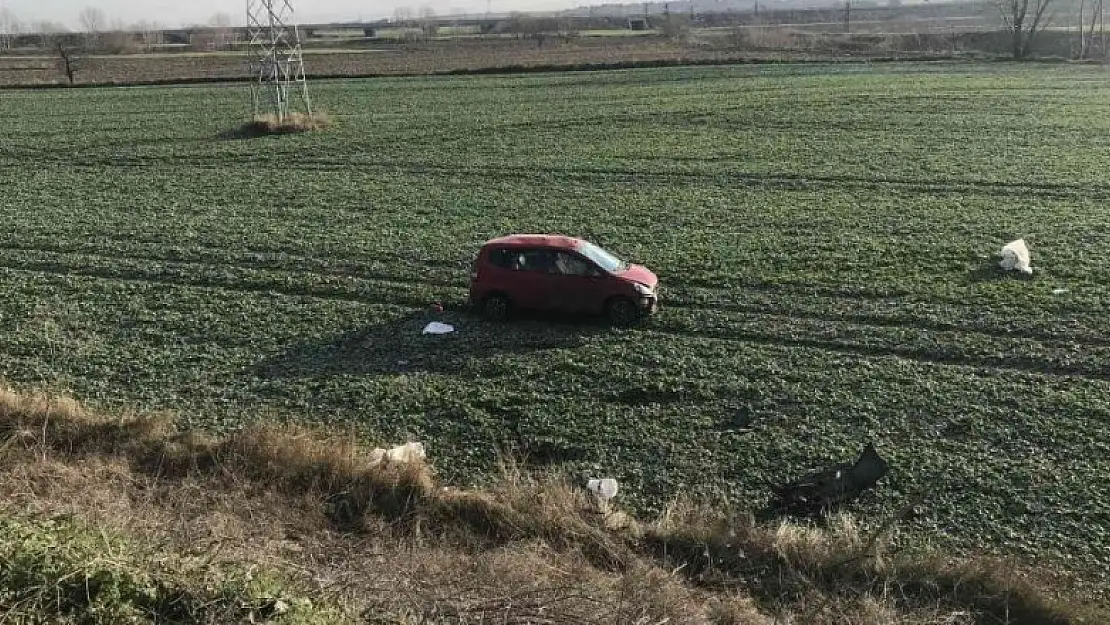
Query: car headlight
[[644, 290]]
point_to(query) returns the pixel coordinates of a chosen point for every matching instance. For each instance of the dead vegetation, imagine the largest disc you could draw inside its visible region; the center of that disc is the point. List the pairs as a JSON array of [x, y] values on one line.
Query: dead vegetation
[[386, 544], [293, 123]]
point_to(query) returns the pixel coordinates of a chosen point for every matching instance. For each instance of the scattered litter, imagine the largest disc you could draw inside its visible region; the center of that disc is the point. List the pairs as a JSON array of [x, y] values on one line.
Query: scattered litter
[[604, 489], [826, 489], [1015, 257], [436, 327], [409, 452], [1059, 291]]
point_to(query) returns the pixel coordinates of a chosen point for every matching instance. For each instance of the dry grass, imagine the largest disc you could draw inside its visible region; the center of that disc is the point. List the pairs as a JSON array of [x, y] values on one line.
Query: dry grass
[[390, 545], [292, 124]]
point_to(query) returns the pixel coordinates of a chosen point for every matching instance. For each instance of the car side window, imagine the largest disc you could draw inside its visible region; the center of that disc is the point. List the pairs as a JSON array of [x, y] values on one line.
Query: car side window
[[501, 258], [571, 265], [541, 261]]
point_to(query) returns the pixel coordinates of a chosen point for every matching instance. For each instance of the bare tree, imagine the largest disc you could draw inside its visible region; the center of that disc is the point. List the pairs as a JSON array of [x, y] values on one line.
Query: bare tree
[[48, 32], [676, 27], [149, 33], [215, 34], [1086, 39], [119, 39], [93, 22], [1023, 19], [9, 25], [402, 15], [222, 32], [428, 22]]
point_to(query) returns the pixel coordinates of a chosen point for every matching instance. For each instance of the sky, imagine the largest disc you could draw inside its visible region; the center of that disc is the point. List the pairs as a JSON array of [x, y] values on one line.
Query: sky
[[173, 13]]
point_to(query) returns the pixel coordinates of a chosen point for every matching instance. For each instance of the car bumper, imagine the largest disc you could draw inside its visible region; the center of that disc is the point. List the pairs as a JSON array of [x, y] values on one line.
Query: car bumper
[[649, 305]]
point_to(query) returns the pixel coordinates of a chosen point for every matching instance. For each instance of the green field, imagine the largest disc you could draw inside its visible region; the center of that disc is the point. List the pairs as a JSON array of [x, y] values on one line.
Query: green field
[[825, 237]]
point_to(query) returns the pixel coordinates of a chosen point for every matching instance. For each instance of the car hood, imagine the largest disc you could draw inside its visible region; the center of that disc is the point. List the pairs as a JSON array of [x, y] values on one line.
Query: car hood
[[637, 273]]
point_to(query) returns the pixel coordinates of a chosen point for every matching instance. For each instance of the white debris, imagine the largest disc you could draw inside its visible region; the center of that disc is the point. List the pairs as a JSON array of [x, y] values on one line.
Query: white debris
[[1015, 257], [1059, 291], [604, 489], [409, 452], [436, 327]]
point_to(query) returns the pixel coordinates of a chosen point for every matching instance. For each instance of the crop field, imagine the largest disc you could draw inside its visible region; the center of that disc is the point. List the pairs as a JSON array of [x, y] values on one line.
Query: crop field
[[825, 236]]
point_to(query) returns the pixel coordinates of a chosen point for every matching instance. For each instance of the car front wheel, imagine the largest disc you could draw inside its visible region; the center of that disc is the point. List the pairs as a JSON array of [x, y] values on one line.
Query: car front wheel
[[622, 311]]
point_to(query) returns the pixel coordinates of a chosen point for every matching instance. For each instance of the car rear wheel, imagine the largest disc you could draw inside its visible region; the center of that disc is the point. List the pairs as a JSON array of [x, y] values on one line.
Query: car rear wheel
[[496, 307], [622, 311]]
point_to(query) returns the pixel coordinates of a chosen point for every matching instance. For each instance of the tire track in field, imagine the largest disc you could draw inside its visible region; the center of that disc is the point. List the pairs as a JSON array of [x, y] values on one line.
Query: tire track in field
[[779, 180], [397, 294], [725, 178], [1018, 364], [395, 297], [886, 294], [892, 323], [290, 251], [261, 265]]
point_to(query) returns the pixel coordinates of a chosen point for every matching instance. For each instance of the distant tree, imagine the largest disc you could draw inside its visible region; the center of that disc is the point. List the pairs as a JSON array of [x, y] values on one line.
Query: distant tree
[[675, 26], [428, 22], [524, 25], [49, 33], [93, 22], [1024, 19], [215, 34], [9, 25], [402, 15], [149, 34], [48, 28], [118, 39], [223, 33], [1086, 39]]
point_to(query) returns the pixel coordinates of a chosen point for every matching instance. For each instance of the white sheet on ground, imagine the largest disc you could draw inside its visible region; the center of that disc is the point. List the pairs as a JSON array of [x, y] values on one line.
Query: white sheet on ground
[[605, 489], [436, 327], [1015, 257], [409, 452]]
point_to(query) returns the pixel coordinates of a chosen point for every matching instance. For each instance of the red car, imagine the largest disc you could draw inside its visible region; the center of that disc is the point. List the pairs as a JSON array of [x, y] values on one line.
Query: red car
[[546, 272]]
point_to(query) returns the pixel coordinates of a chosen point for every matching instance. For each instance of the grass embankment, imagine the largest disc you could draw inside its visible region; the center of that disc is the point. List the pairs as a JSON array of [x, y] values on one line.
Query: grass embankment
[[125, 519]]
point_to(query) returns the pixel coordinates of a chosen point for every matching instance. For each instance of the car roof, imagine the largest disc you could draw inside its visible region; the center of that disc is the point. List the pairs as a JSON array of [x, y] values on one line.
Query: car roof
[[536, 240]]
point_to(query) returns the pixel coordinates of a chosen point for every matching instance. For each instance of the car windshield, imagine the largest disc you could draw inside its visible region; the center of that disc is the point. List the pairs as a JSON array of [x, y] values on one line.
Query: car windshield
[[604, 259]]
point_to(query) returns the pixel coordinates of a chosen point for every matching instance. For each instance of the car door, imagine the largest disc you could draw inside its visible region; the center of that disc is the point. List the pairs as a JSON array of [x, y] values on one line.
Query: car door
[[579, 284], [496, 274], [532, 284]]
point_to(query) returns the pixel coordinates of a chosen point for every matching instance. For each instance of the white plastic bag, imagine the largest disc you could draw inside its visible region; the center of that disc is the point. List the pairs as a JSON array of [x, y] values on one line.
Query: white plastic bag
[[1015, 257], [604, 489], [436, 327], [409, 452]]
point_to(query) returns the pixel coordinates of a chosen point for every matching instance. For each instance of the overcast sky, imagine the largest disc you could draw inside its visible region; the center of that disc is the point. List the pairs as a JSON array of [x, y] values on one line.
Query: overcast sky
[[183, 12]]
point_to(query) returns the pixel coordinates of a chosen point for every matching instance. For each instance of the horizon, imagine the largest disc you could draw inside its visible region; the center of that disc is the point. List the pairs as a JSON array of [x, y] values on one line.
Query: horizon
[[171, 14]]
